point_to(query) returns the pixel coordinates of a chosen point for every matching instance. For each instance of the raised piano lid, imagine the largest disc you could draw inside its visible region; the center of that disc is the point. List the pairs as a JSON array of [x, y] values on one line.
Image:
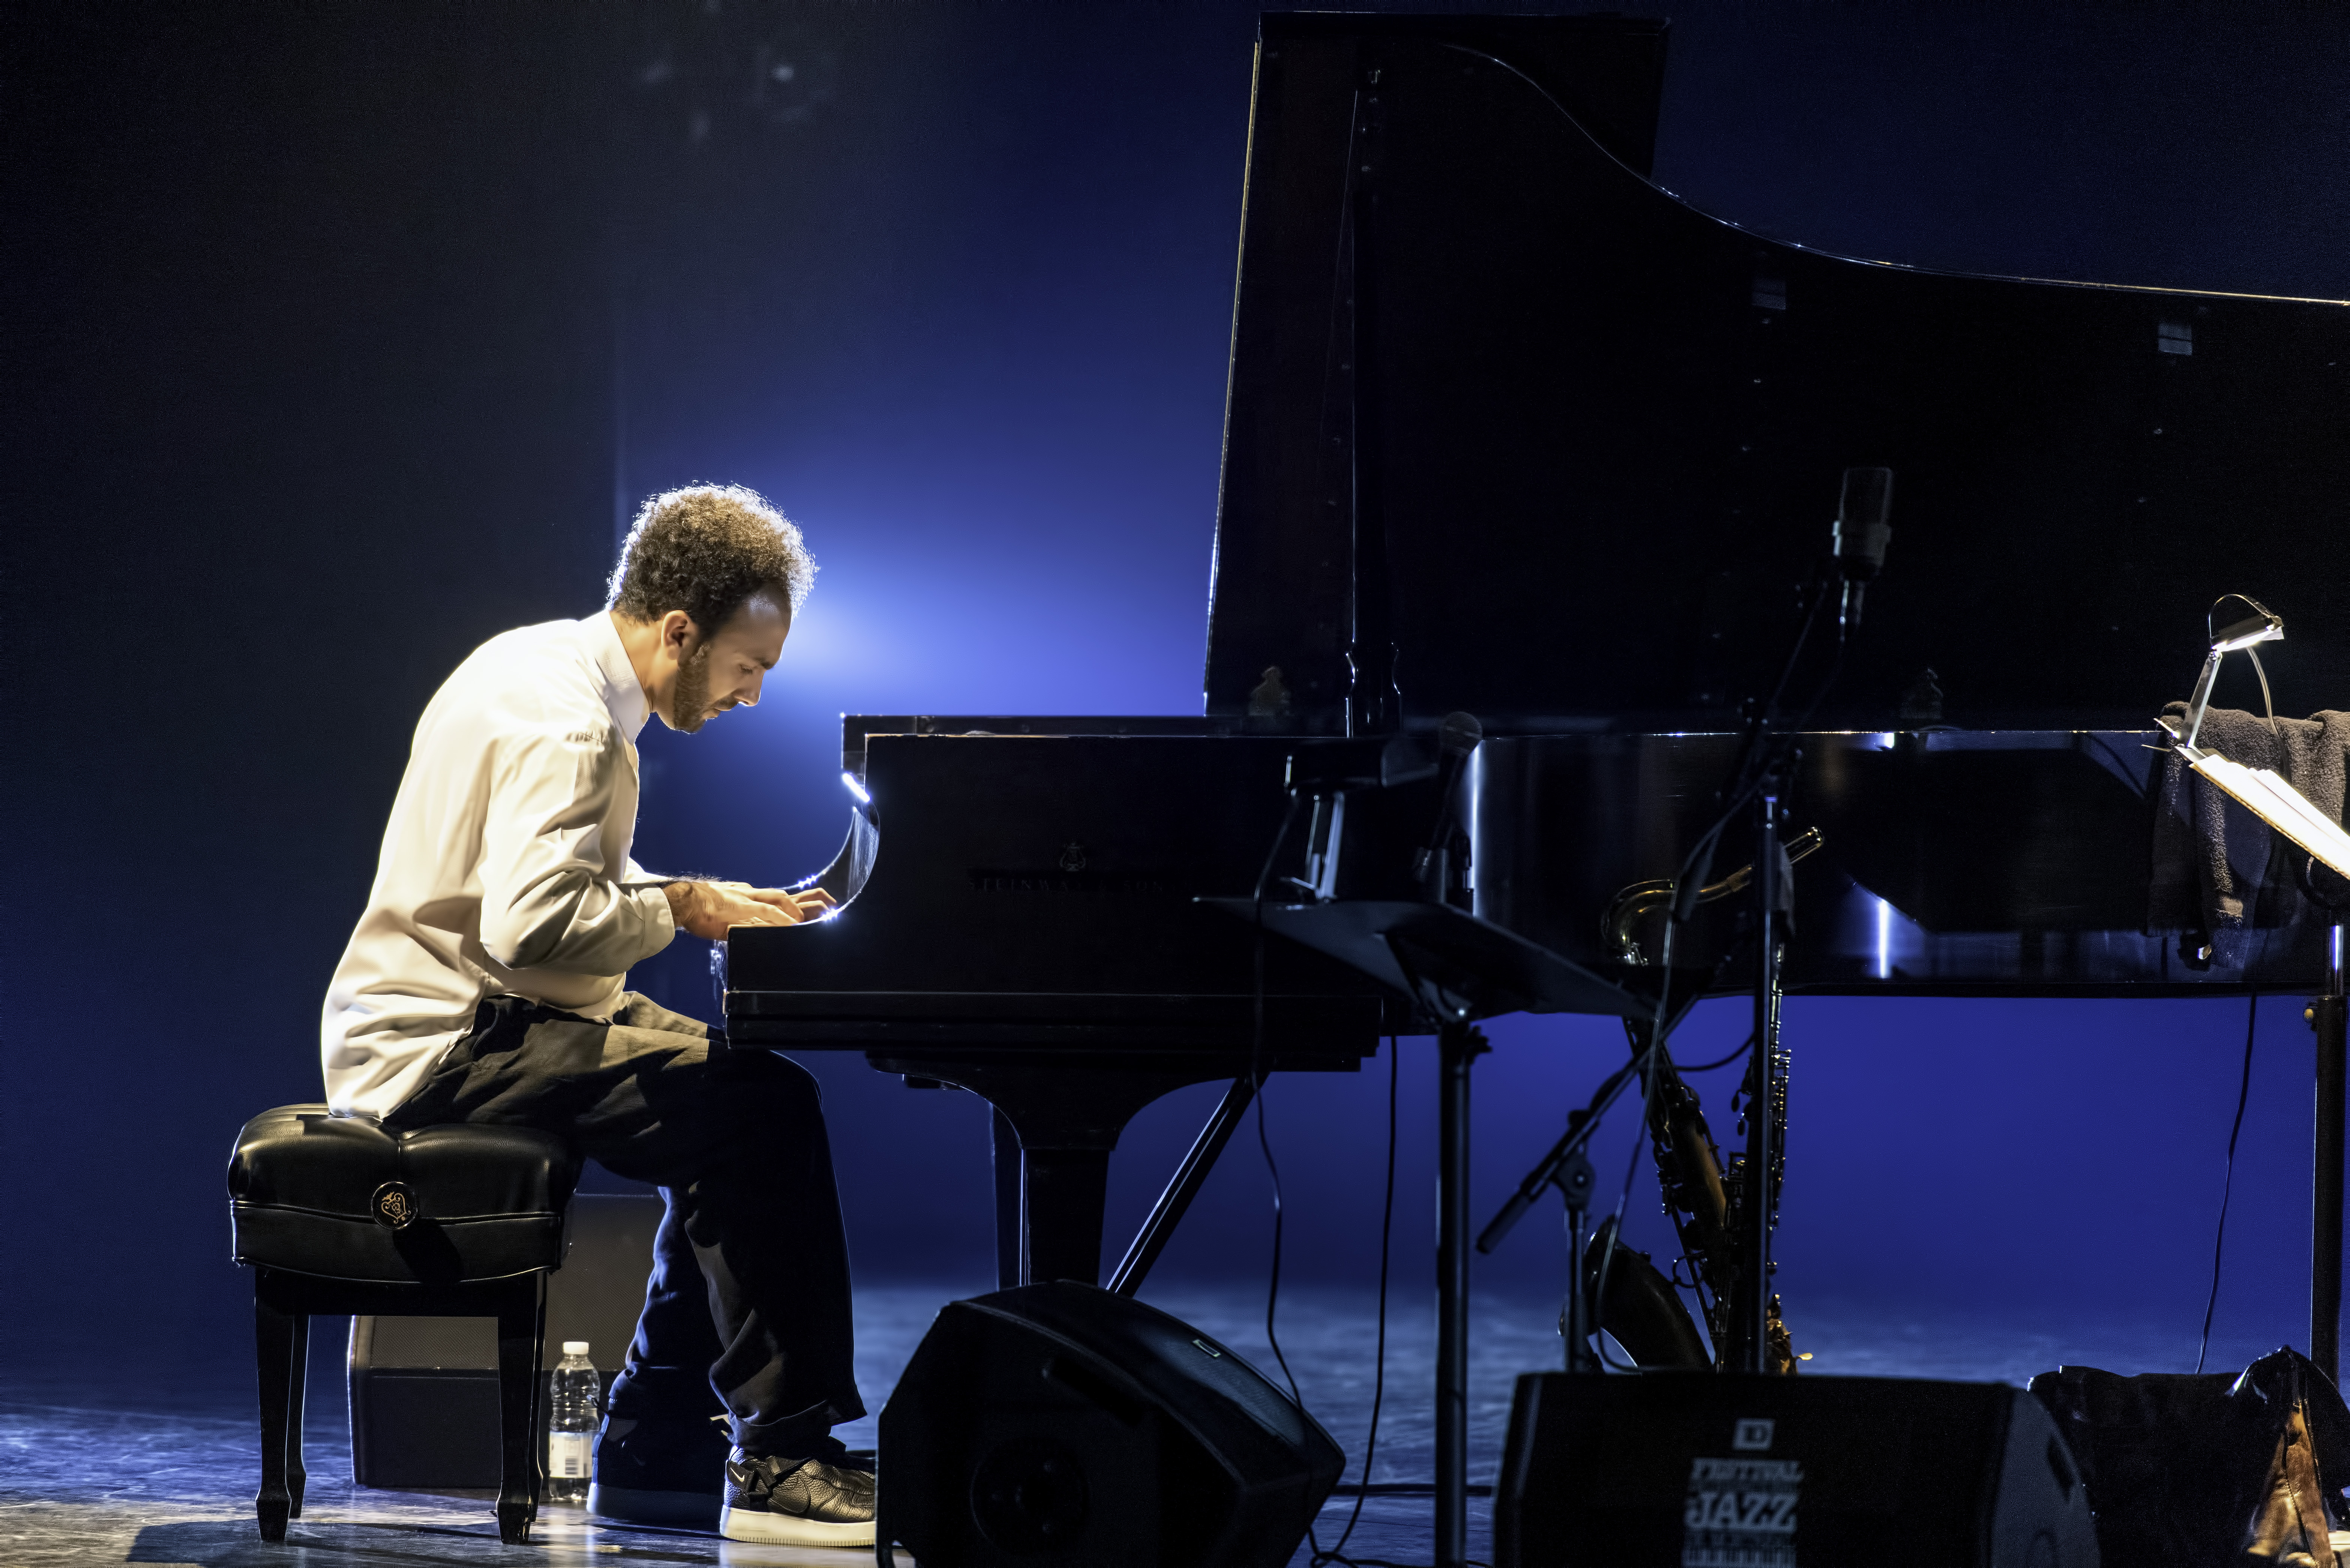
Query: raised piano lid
[[1613, 426]]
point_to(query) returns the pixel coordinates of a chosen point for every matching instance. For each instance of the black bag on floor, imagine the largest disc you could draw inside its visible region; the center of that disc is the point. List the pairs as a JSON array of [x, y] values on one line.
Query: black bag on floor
[[2208, 1472]]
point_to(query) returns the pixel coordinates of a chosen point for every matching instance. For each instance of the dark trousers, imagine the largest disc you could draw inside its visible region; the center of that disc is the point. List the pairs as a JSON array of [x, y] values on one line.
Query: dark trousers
[[749, 1293]]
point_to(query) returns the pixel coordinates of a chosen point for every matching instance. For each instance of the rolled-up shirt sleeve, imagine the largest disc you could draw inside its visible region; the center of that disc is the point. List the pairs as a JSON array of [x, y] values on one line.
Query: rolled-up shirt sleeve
[[546, 899]]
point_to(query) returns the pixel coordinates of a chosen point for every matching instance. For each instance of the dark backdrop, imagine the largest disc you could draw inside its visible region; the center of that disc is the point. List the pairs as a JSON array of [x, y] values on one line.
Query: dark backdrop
[[340, 339]]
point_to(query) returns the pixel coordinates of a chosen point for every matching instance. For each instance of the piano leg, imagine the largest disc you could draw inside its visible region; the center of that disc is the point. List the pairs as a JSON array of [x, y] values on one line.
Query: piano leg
[[1064, 1118], [1060, 1196], [1457, 1046]]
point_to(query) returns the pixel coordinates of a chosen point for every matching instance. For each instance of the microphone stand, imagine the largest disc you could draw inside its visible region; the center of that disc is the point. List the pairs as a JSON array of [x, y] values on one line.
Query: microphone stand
[[1769, 767], [1574, 1177]]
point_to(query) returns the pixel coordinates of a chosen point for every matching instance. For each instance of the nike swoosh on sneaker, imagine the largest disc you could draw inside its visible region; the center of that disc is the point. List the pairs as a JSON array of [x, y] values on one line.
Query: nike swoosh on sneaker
[[797, 1503]]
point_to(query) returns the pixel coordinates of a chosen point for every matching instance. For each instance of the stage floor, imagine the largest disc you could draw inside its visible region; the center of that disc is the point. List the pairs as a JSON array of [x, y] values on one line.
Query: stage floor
[[99, 1475]]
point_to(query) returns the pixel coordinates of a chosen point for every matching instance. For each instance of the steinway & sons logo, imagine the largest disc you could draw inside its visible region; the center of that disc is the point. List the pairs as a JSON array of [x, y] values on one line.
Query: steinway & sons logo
[[1070, 872]]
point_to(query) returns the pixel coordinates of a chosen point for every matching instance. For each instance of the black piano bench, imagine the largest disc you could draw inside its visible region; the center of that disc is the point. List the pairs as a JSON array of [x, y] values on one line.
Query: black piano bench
[[340, 1217]]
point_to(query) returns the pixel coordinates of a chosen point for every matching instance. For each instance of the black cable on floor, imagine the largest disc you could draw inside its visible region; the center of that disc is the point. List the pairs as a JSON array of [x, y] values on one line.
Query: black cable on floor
[[2220, 1240], [1380, 1364]]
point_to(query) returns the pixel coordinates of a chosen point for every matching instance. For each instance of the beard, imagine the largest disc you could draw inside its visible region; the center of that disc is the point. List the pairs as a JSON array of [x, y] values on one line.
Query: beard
[[690, 701]]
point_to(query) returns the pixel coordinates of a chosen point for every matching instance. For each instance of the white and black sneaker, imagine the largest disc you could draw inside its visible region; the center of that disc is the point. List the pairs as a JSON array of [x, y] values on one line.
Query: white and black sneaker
[[822, 1501]]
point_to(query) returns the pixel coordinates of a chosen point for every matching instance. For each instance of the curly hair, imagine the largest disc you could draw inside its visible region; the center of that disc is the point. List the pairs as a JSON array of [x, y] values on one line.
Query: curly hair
[[705, 549]]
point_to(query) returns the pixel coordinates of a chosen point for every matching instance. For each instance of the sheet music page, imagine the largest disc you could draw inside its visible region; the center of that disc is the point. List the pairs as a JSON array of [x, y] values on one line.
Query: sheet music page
[[2281, 807]]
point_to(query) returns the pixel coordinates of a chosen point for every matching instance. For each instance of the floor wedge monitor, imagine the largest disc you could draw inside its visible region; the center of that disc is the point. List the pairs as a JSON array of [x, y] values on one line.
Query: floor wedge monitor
[[1695, 1470], [1058, 1424]]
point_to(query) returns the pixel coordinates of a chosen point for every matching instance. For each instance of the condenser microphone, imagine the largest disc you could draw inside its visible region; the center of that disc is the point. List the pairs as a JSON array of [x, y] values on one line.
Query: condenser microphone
[[1456, 738], [1861, 533]]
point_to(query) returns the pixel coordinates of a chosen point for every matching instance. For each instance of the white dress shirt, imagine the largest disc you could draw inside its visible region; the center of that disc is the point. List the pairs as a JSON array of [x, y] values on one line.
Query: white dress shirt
[[506, 867]]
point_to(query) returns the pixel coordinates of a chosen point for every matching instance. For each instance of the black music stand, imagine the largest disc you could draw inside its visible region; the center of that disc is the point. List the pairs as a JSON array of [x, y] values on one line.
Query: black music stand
[[1456, 969]]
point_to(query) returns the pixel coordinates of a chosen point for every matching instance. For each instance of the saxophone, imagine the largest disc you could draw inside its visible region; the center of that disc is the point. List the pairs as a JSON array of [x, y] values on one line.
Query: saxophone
[[1709, 1202]]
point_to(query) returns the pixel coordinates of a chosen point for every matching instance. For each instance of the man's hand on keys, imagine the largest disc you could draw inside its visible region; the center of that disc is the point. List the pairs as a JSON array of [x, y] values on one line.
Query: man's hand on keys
[[709, 909]]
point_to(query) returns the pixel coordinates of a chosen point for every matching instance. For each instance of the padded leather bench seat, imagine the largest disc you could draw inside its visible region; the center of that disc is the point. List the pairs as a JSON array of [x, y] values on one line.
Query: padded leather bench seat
[[344, 1199]]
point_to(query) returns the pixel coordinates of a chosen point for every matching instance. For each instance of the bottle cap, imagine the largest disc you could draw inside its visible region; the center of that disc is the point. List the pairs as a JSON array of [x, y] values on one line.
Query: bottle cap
[[574, 1347]]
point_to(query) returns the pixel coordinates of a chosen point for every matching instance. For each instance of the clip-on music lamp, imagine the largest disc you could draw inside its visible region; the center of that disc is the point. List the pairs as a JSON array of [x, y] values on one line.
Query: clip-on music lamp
[[2262, 791], [2237, 622]]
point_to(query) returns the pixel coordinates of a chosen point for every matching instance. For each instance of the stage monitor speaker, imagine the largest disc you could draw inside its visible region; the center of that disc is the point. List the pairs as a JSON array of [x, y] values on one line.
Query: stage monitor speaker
[[1060, 1424], [1688, 1469], [424, 1390]]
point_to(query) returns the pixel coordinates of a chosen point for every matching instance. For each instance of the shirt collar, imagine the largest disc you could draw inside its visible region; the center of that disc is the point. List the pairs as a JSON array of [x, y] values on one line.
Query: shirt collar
[[623, 693]]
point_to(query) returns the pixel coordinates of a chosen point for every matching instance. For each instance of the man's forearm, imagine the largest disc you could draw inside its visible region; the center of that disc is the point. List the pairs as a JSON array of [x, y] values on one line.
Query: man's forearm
[[574, 921]]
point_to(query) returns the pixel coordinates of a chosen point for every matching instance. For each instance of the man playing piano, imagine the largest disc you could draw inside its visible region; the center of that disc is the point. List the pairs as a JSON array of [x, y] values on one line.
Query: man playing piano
[[486, 983]]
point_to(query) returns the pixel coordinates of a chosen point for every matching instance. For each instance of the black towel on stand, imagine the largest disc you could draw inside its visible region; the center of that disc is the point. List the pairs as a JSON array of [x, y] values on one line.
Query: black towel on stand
[[2217, 868]]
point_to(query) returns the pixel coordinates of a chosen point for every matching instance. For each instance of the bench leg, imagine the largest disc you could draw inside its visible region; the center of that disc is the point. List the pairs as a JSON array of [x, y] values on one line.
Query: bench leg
[[522, 1333], [542, 1395], [275, 1335], [297, 1476]]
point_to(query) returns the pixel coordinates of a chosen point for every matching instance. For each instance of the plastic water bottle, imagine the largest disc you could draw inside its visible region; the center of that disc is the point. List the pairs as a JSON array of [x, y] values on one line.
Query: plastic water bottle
[[572, 1418]]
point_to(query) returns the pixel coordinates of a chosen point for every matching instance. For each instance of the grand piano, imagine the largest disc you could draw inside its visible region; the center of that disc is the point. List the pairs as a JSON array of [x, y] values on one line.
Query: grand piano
[[1512, 430]]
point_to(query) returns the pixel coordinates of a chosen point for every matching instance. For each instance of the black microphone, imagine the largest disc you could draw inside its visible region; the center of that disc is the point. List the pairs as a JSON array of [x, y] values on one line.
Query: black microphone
[[1861, 533], [1456, 738]]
